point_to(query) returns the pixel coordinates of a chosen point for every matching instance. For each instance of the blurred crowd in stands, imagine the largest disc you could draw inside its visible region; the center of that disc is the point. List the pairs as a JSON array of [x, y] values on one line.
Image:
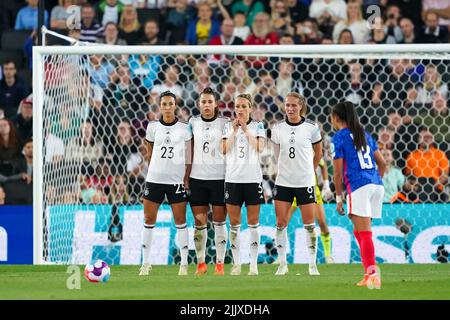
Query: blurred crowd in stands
[[404, 103]]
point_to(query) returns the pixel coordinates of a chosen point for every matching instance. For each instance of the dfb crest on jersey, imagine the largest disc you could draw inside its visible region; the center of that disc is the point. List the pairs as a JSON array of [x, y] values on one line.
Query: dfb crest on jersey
[[206, 135], [292, 140], [167, 139], [241, 139]]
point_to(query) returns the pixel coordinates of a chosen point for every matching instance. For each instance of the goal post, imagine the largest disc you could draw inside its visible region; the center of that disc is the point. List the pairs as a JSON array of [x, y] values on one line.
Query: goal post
[[74, 97]]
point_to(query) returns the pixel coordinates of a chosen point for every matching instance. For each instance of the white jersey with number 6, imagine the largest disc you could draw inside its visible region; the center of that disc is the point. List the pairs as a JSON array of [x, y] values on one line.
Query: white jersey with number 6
[[295, 162], [168, 162], [242, 161], [208, 162]]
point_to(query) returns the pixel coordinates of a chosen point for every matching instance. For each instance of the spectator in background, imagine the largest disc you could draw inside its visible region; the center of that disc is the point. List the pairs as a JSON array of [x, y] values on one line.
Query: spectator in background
[[280, 18], [225, 38], [266, 94], [328, 13], [151, 32], [119, 190], [250, 8], [137, 168], [121, 147], [85, 150], [203, 28], [308, 31], [177, 21], [2, 196], [12, 89], [428, 161], [262, 34], [23, 121], [408, 31], [109, 11], [432, 83], [439, 7], [10, 146], [152, 4], [239, 76], [298, 11], [27, 17], [144, 69], [354, 22], [432, 32], [170, 83], [111, 36], [287, 39], [285, 82], [59, 14], [90, 28], [23, 166], [379, 34], [129, 26], [241, 30], [101, 71], [345, 37], [392, 18], [201, 79], [393, 179], [437, 118]]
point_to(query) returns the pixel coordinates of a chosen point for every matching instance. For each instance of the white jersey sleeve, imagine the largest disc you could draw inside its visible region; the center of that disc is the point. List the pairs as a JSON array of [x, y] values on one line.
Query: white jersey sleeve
[[150, 133], [227, 130], [275, 135], [316, 136]]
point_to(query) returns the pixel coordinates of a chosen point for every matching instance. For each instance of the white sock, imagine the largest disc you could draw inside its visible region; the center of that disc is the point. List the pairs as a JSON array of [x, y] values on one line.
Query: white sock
[[235, 234], [220, 240], [254, 243], [200, 237], [281, 241], [147, 234], [183, 241], [311, 242]]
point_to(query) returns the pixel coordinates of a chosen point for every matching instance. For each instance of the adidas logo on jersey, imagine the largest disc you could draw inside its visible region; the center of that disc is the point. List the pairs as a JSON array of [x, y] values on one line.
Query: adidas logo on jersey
[[254, 244]]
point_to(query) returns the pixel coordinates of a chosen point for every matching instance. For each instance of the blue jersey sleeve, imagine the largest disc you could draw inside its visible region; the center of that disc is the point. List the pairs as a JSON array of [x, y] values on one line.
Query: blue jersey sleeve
[[373, 143], [337, 149]]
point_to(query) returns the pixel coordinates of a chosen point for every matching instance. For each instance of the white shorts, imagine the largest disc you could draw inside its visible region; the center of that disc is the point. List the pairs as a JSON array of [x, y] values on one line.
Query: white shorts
[[366, 201]]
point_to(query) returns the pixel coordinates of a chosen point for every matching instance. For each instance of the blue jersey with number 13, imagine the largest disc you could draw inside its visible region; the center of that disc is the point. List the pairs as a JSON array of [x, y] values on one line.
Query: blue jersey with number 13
[[359, 166]]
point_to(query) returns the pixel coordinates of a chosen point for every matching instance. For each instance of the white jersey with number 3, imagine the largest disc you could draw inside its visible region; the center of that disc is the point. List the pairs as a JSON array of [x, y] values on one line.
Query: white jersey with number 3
[[295, 162], [168, 162], [208, 162], [242, 161]]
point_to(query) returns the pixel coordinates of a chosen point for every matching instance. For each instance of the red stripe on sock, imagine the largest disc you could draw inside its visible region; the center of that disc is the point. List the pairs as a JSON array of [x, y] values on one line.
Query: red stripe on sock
[[367, 249]]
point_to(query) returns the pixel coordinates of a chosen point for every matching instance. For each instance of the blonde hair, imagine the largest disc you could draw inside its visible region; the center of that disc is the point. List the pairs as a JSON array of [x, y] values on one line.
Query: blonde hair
[[301, 101], [360, 15], [247, 97], [136, 24]]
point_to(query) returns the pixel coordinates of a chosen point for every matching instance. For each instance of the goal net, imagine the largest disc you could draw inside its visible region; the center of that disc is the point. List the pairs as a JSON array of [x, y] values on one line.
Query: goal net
[[93, 105]]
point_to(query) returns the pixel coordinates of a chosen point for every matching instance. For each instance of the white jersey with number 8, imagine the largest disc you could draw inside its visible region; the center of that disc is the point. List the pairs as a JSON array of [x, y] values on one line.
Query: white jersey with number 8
[[295, 162], [242, 161], [168, 162], [208, 162]]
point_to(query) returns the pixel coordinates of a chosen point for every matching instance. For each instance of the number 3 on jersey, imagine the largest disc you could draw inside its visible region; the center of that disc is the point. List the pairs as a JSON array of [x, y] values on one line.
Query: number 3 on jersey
[[365, 161]]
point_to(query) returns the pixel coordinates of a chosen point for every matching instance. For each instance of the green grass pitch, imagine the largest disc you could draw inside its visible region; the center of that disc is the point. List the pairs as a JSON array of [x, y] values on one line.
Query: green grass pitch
[[335, 282]]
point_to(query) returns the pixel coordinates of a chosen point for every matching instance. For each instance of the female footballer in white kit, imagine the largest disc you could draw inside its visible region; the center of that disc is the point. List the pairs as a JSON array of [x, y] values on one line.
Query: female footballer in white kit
[[298, 151], [168, 145], [207, 180], [243, 140]]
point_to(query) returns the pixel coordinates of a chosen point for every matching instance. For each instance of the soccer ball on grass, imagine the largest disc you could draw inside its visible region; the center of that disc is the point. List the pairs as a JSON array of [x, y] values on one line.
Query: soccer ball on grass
[[97, 272]]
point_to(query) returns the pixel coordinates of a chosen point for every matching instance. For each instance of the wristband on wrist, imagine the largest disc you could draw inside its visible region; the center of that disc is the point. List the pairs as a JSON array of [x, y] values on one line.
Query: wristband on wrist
[[338, 198], [326, 184]]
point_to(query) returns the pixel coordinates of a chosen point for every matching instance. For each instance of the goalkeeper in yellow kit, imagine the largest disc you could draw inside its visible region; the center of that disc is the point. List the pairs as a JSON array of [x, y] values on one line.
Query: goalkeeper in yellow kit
[[320, 211]]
